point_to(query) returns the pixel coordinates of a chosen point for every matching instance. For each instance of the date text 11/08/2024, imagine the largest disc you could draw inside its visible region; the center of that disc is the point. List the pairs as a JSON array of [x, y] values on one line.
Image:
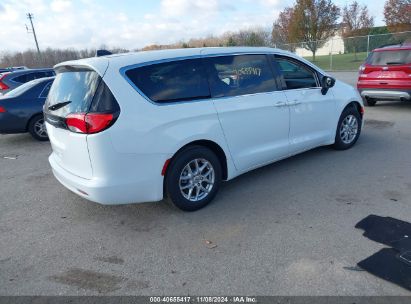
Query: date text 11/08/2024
[[188, 299]]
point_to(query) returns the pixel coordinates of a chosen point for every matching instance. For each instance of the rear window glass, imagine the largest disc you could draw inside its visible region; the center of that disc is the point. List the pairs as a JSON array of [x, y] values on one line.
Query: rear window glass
[[390, 57], [240, 75], [172, 81], [76, 87]]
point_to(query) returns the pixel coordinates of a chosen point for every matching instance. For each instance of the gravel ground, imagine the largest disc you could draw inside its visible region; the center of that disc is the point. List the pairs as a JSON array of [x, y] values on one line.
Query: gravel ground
[[286, 229]]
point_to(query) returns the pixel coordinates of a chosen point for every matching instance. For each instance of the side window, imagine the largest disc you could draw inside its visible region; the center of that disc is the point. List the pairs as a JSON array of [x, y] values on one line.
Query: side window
[[38, 75], [31, 76], [45, 90], [21, 78], [239, 75], [296, 74], [172, 81]]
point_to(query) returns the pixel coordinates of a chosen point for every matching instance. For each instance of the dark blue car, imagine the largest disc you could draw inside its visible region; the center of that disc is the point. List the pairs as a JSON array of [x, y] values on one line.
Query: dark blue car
[[21, 110]]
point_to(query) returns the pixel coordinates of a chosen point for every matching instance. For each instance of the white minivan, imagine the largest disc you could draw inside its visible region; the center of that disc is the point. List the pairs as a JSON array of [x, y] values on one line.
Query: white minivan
[[140, 126]]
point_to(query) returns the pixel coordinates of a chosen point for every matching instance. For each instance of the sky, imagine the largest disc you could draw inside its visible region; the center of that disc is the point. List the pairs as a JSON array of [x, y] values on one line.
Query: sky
[[134, 24]]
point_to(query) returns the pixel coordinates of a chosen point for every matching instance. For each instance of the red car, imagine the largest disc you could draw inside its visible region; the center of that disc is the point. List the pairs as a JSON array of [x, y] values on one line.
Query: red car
[[386, 75]]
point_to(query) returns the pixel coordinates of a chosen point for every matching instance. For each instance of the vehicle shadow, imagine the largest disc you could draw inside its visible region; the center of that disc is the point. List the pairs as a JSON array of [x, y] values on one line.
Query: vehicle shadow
[[266, 191]]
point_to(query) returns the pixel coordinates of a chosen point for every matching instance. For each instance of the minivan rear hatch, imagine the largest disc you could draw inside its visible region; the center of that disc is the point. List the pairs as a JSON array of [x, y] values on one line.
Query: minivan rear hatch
[[79, 103]]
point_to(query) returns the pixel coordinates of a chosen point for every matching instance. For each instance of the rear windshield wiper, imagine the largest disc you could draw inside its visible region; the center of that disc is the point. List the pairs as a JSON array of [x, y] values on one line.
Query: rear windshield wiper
[[58, 105]]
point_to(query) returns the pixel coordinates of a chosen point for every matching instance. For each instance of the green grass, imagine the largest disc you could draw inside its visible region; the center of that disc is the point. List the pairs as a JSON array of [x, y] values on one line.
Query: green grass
[[340, 62]]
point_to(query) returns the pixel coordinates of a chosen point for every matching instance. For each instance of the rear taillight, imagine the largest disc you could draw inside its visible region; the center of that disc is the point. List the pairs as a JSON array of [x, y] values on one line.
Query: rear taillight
[[361, 69], [89, 123], [2, 110], [3, 86]]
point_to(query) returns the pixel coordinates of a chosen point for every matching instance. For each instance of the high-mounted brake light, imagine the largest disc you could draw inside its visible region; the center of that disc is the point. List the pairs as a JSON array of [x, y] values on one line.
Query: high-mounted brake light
[[2, 110], [89, 123]]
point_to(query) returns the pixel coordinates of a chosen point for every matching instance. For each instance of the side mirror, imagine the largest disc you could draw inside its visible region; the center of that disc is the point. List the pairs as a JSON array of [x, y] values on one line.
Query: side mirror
[[327, 82]]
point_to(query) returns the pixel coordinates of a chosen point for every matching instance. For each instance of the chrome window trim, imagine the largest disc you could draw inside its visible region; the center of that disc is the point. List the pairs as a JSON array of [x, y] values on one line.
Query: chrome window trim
[[41, 93], [124, 69]]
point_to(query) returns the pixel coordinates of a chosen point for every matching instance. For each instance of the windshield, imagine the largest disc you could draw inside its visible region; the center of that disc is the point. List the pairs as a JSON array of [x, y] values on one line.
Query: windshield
[[390, 57], [21, 89], [72, 92]]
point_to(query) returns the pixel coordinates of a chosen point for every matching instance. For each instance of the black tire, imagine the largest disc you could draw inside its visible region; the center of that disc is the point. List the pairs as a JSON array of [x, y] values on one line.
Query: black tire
[[369, 102], [178, 167], [342, 143], [34, 129]]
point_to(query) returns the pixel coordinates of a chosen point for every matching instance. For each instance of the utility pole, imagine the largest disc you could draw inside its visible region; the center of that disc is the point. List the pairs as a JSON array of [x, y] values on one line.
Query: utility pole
[[368, 45], [30, 17]]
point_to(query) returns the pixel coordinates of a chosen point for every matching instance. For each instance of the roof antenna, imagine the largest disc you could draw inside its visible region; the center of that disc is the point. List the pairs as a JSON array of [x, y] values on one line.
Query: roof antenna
[[100, 53]]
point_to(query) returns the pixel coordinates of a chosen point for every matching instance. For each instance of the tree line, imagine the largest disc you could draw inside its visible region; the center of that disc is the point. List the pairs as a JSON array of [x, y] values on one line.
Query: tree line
[[314, 22], [309, 22]]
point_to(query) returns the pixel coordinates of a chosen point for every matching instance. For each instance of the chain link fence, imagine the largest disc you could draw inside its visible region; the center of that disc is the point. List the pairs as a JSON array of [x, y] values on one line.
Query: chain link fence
[[343, 54]]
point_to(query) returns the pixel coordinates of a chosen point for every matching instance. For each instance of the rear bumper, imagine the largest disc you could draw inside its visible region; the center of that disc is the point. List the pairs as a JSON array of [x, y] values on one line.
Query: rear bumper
[[109, 191], [390, 94]]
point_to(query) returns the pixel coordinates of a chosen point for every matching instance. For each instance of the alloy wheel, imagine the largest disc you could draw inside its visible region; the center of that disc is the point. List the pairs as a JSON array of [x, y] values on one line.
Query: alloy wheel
[[197, 179], [40, 128], [349, 129]]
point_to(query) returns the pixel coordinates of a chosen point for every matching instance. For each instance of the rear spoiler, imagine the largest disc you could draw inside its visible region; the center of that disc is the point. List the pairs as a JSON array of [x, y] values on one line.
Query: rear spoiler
[[391, 45]]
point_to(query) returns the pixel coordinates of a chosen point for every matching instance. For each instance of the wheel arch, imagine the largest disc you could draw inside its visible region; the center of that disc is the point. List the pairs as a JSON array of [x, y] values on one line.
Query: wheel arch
[[350, 104], [213, 146], [356, 105], [31, 118]]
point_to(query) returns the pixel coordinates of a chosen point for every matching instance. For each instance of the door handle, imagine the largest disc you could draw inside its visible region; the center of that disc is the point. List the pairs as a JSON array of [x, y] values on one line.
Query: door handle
[[294, 103], [280, 104]]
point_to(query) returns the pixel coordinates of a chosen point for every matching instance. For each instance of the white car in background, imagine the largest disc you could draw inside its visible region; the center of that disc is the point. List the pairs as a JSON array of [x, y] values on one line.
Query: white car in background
[[134, 127]]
